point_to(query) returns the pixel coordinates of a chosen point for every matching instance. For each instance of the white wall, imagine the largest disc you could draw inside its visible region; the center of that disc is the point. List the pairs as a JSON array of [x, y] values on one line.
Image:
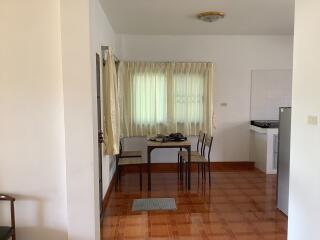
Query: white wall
[[77, 22], [32, 152], [304, 208], [48, 116], [270, 90], [90, 30], [234, 58], [105, 36]]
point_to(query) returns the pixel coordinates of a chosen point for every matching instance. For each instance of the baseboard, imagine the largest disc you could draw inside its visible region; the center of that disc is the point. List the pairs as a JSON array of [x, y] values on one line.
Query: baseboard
[[172, 167]]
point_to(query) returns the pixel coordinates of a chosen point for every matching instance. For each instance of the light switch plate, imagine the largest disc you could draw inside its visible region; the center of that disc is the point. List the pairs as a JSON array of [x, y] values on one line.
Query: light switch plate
[[313, 120]]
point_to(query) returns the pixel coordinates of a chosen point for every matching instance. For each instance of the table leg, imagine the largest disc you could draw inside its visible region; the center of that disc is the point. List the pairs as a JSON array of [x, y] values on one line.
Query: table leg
[[189, 168], [179, 166], [149, 168]]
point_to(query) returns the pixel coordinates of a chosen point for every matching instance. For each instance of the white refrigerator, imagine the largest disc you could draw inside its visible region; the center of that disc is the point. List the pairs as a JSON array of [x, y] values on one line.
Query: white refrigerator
[[284, 160]]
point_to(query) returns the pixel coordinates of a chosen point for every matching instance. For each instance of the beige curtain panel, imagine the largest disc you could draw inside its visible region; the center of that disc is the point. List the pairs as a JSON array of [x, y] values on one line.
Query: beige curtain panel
[[160, 98], [111, 106]]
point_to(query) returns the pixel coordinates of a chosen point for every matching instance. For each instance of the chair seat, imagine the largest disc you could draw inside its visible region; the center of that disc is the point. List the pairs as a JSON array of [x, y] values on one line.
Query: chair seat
[[185, 153], [5, 233], [196, 159], [130, 161], [131, 154]]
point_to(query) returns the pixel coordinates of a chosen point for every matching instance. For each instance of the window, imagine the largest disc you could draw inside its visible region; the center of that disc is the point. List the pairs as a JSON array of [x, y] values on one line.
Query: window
[[149, 98], [165, 97], [188, 96]]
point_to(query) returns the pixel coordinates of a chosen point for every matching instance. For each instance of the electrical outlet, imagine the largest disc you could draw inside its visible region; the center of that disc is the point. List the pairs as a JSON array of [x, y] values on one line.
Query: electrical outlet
[[224, 104], [313, 120]]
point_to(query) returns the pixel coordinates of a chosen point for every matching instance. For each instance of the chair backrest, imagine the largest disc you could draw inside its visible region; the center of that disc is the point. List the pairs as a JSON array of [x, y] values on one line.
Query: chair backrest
[[200, 143], [207, 146], [11, 200]]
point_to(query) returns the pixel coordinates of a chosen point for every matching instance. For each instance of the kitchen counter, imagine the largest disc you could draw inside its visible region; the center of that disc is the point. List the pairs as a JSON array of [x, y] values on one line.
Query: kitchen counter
[[264, 148], [264, 130]]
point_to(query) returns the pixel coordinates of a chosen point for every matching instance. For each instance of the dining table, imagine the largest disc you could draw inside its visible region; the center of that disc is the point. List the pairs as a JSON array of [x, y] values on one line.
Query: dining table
[[185, 144]]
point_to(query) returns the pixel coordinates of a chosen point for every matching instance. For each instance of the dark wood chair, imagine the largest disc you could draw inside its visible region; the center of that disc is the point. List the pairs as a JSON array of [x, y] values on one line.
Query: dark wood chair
[[201, 159], [7, 232], [128, 158], [184, 154]]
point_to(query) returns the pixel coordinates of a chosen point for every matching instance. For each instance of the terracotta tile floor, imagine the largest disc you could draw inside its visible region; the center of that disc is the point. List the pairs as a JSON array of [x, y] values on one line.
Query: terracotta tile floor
[[238, 206]]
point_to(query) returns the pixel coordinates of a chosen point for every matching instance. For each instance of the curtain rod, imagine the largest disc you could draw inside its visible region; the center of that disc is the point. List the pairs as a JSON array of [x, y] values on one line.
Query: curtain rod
[[106, 48]]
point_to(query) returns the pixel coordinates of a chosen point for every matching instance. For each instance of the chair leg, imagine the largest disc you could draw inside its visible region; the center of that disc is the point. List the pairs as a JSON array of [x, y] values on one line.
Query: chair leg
[[198, 172], [119, 177], [202, 172], [209, 174], [140, 178], [178, 167], [181, 168], [186, 165]]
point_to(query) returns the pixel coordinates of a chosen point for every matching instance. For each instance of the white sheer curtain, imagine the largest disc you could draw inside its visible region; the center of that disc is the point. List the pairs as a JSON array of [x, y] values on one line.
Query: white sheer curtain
[[166, 97], [111, 106]]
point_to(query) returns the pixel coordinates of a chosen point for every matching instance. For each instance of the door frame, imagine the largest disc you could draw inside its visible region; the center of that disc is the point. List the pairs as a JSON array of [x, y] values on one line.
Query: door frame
[[100, 131]]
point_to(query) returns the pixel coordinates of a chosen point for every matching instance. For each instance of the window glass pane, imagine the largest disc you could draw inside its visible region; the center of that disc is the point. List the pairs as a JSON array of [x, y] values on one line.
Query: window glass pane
[[149, 98], [188, 97]]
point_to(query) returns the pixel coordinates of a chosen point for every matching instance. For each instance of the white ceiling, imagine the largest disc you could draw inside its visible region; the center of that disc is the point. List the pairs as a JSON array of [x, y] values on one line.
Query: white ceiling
[[179, 16]]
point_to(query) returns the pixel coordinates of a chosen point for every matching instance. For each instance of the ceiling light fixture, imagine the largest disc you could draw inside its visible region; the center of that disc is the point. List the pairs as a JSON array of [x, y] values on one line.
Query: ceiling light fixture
[[210, 16]]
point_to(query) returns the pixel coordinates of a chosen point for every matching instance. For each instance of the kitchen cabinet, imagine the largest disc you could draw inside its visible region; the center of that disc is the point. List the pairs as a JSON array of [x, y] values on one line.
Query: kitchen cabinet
[[264, 148]]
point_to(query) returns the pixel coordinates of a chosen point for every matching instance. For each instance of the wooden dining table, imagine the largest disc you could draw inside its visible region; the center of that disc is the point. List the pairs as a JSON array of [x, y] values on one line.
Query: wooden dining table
[[151, 145]]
